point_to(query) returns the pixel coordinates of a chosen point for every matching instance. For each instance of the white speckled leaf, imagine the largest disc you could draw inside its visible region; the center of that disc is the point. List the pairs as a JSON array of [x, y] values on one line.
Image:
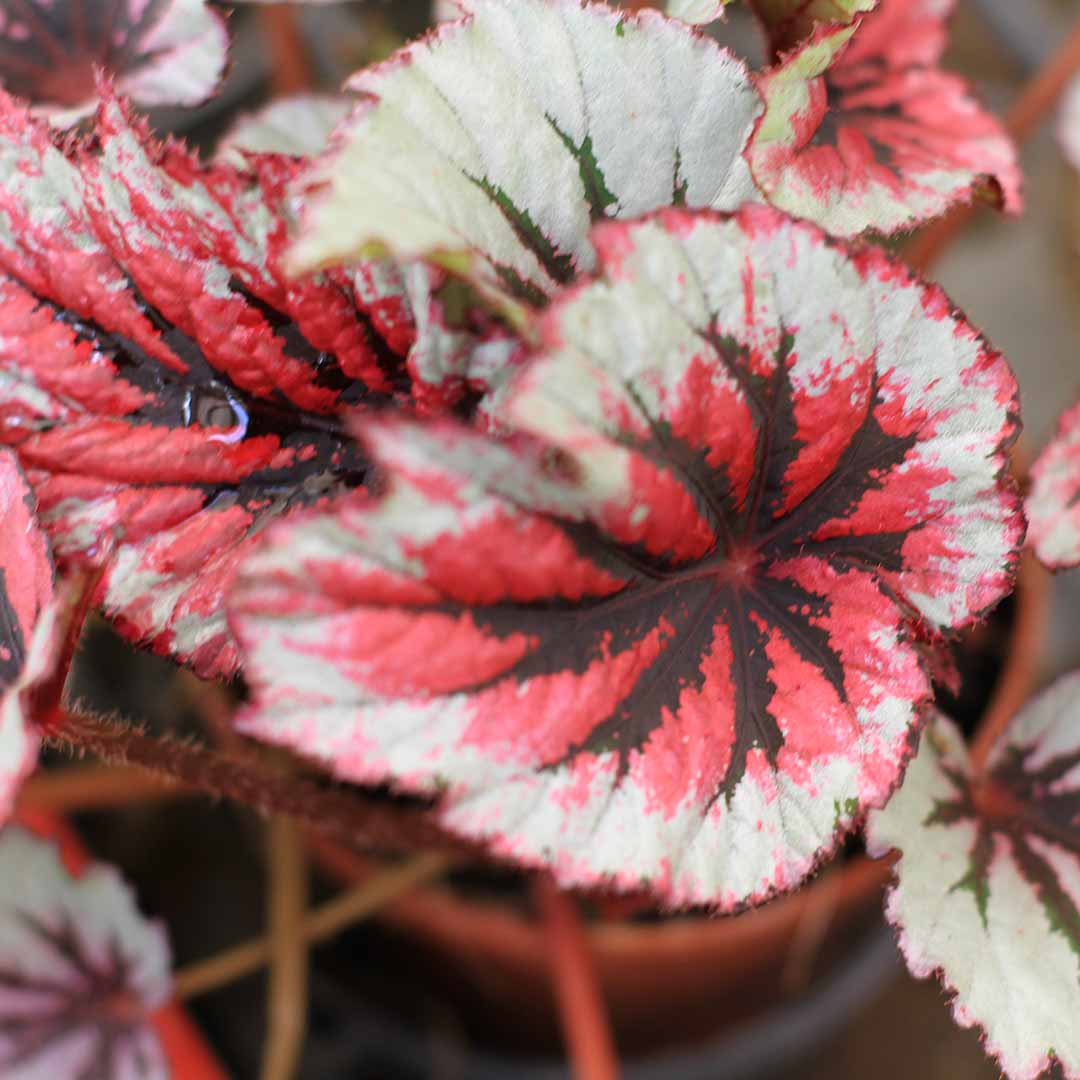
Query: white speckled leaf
[[80, 969], [494, 143], [987, 891]]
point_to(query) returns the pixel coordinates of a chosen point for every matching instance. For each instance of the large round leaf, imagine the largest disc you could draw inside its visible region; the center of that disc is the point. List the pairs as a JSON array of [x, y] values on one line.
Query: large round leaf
[[666, 633]]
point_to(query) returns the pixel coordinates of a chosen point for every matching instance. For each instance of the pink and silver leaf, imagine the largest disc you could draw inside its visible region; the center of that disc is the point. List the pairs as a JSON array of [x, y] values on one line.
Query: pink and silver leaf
[[80, 970], [167, 389], [1053, 503], [27, 621], [862, 131], [669, 630], [439, 159], [159, 52], [987, 888]]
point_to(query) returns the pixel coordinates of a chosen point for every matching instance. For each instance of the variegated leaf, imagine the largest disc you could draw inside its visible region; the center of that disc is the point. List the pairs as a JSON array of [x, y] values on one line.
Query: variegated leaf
[[1053, 504], [987, 891], [169, 390], [298, 125], [27, 619], [160, 52], [862, 131], [80, 970], [669, 633], [625, 113]]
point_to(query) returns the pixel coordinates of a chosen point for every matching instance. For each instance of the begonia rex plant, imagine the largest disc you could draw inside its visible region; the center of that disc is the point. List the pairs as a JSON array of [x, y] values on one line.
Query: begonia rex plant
[[540, 439]]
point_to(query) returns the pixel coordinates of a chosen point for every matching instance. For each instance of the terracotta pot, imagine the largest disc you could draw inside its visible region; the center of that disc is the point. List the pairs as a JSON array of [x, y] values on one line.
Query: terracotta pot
[[678, 980]]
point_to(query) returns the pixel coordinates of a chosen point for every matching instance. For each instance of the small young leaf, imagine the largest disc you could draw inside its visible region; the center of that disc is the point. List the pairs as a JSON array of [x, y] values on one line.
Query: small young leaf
[[494, 143], [987, 891], [1053, 504], [298, 125], [662, 634], [862, 131], [80, 970], [159, 52], [27, 618]]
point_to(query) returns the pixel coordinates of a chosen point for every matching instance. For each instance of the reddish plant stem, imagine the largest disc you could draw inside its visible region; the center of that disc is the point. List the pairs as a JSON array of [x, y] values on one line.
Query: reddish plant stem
[[1027, 643], [586, 1029], [1039, 97], [346, 816], [77, 605], [291, 69]]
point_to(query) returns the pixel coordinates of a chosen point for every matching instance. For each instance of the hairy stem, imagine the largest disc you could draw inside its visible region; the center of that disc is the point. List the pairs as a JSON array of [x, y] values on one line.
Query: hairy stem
[[290, 62], [1039, 97], [345, 815], [1025, 647]]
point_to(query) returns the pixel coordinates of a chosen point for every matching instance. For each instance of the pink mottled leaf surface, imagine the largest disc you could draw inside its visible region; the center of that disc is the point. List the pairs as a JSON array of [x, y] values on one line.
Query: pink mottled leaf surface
[[863, 131], [27, 615], [1053, 504], [987, 890], [167, 388], [668, 633], [80, 970], [160, 52]]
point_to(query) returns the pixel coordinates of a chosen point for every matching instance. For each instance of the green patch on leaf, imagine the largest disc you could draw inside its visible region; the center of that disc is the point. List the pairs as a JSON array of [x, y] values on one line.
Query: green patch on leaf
[[559, 266], [597, 193]]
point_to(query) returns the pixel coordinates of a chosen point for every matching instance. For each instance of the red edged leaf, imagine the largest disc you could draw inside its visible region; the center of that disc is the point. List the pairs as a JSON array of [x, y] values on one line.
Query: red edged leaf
[[670, 633], [160, 52], [80, 970], [862, 130], [1053, 504], [27, 616], [987, 891], [168, 389]]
